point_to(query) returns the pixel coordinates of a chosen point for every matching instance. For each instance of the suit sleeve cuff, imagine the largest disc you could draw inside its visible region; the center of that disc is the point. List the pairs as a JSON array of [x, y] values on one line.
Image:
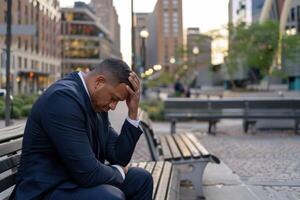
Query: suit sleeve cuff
[[135, 123], [118, 167]]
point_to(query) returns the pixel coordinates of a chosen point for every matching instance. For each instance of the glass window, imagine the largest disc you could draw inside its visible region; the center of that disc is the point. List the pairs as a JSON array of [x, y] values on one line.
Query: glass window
[[175, 3], [20, 62], [293, 14], [165, 2], [25, 63]]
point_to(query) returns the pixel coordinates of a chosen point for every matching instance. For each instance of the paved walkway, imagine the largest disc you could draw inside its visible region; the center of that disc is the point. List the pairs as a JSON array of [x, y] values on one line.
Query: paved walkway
[[266, 164]]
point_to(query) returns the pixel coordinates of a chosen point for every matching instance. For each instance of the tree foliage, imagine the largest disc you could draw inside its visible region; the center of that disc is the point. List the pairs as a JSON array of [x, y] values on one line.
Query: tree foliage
[[253, 46]]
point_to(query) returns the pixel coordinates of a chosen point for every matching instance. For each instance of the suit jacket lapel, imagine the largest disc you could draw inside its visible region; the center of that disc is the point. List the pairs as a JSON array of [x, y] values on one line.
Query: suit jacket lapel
[[96, 131]]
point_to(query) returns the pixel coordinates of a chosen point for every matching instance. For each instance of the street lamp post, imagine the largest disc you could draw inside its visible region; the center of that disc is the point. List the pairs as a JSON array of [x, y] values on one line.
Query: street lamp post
[[132, 39], [8, 43], [144, 35], [195, 52]]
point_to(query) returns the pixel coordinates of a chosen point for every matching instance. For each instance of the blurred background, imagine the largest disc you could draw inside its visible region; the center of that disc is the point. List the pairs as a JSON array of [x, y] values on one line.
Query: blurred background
[[179, 48]]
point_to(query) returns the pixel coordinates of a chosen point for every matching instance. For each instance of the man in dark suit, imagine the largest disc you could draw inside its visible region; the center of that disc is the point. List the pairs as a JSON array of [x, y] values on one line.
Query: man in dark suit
[[68, 138]]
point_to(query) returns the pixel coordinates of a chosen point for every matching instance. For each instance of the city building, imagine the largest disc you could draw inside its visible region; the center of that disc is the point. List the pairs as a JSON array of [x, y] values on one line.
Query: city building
[[292, 67], [198, 48], [107, 14], [249, 11], [35, 59], [85, 41], [165, 34], [203, 53]]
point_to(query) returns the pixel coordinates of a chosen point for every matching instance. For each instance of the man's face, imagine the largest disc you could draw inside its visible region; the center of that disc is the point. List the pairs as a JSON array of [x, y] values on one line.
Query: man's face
[[106, 96]]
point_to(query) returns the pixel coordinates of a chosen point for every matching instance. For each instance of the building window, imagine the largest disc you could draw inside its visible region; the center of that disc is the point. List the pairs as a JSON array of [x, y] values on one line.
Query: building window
[[5, 16], [19, 42], [25, 63], [20, 62], [293, 14], [175, 3], [166, 3]]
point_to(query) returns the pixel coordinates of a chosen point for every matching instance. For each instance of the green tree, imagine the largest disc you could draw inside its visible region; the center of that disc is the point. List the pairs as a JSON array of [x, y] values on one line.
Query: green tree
[[252, 46]]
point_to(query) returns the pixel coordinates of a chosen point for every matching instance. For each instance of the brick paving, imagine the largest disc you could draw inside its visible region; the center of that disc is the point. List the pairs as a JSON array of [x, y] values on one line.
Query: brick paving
[[268, 161]]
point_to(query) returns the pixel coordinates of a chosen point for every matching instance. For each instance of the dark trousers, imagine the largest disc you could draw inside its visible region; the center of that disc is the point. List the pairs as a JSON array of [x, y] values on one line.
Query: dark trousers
[[138, 185]]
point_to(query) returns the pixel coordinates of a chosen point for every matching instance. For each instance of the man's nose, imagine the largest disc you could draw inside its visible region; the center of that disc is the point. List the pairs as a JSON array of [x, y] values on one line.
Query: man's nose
[[113, 105]]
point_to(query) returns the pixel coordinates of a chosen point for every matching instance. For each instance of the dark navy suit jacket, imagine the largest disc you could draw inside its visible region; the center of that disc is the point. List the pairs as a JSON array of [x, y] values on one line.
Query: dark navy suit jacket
[[66, 143]]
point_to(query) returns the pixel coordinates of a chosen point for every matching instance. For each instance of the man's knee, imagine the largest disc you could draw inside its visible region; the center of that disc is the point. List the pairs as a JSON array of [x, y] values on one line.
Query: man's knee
[[112, 193], [142, 176]]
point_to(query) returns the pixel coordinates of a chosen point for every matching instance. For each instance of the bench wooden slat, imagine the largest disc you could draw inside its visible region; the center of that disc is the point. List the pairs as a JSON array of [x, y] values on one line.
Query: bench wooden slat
[[150, 166], [197, 143], [11, 134], [9, 162], [195, 152], [173, 147], [164, 182], [182, 147], [142, 165], [173, 191], [134, 164], [165, 148], [8, 128], [8, 181], [156, 175], [9, 147]]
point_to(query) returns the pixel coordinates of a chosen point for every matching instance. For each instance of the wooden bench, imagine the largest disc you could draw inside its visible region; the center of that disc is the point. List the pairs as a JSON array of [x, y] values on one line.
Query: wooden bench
[[165, 176], [10, 150], [250, 110], [181, 150]]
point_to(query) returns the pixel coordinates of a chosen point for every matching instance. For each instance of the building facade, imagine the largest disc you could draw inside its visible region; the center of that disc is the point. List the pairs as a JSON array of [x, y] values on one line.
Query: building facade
[[35, 59], [107, 14], [85, 41], [292, 67], [165, 33], [198, 48]]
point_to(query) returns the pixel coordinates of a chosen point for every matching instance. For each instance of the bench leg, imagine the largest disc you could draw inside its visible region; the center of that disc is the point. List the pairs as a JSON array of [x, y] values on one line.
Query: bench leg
[[173, 126], [245, 126], [249, 124], [195, 176], [212, 127], [296, 126]]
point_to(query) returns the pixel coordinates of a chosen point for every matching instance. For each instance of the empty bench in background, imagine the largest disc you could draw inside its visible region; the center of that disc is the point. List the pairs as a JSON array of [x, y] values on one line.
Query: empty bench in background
[[181, 150], [250, 110]]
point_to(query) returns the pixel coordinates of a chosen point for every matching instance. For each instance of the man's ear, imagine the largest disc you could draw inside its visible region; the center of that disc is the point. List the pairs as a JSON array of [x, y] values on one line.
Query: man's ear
[[100, 79]]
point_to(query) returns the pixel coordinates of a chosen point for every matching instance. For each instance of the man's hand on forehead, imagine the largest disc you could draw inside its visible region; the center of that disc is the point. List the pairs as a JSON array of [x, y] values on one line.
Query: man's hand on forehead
[[134, 98], [135, 82]]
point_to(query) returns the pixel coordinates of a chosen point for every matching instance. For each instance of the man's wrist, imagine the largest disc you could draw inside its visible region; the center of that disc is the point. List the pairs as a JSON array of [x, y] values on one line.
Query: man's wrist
[[135, 123], [119, 168], [133, 115]]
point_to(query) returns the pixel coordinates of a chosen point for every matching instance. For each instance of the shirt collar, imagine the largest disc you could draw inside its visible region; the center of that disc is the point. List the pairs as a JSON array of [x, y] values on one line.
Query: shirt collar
[[83, 82]]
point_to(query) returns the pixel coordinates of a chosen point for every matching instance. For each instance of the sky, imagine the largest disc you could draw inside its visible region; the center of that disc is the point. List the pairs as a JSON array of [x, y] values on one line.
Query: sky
[[205, 14]]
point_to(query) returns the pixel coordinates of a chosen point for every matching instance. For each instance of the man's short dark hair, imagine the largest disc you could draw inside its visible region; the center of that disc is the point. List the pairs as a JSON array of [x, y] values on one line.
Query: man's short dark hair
[[115, 69]]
